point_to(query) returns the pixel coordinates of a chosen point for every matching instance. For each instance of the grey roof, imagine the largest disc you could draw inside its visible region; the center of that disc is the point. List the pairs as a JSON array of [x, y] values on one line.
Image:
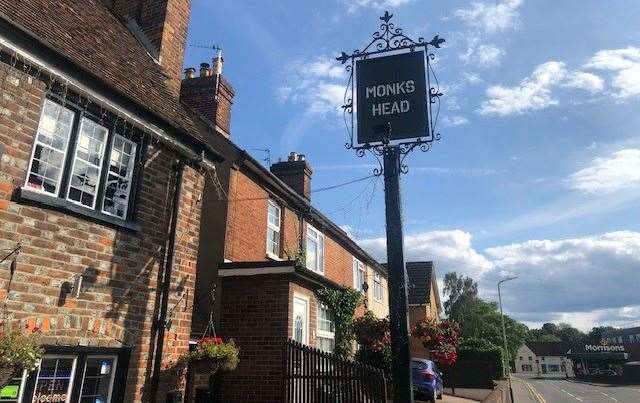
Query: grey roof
[[420, 275], [622, 332]]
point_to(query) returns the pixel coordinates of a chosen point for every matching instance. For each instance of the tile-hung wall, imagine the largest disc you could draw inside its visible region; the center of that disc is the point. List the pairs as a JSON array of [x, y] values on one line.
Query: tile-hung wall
[[85, 194]]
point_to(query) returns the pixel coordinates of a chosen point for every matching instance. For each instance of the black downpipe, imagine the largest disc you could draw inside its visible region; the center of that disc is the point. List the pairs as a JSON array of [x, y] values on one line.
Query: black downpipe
[[166, 283]]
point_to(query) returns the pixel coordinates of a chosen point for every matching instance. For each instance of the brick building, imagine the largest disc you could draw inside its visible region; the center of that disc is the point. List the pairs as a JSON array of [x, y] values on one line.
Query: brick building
[[274, 251], [102, 167]]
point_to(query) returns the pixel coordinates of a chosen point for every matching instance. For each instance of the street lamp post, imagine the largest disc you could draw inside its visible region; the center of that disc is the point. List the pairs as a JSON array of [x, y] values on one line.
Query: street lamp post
[[504, 336]]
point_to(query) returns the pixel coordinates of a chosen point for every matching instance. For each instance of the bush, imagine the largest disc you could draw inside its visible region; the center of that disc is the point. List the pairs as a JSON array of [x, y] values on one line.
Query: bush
[[372, 334], [480, 350], [19, 350]]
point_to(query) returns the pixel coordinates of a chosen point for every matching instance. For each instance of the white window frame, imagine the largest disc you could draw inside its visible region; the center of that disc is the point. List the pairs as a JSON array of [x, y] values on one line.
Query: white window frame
[[130, 169], [75, 159], [359, 267], [319, 239], [274, 204], [324, 333], [72, 376], [377, 285], [113, 372], [64, 153]]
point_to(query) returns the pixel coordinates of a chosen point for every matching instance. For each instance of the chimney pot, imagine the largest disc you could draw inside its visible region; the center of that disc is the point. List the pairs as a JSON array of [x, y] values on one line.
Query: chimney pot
[[204, 70], [189, 72]]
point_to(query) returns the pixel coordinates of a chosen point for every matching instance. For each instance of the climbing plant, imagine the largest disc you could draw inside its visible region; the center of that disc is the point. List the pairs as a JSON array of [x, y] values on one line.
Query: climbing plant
[[342, 303]]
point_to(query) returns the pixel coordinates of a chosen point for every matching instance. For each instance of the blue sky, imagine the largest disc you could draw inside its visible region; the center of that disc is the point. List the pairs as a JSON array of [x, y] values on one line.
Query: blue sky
[[538, 170]]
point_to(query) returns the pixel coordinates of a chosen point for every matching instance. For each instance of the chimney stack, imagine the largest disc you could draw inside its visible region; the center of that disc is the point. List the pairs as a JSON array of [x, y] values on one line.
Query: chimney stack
[[161, 27], [210, 94], [295, 172]]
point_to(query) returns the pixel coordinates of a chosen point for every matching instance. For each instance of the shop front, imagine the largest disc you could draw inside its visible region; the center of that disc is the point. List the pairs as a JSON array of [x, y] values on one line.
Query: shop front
[[72, 374], [605, 361]]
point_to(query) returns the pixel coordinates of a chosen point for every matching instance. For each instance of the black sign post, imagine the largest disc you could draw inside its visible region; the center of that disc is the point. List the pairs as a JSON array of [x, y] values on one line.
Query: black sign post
[[390, 79]]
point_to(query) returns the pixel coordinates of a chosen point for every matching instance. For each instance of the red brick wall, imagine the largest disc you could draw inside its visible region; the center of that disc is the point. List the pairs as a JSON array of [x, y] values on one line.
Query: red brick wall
[[246, 238], [255, 313], [165, 23], [119, 306]]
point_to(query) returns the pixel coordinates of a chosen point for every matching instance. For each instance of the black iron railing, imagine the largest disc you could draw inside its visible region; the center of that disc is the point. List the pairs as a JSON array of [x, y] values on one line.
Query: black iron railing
[[314, 376]]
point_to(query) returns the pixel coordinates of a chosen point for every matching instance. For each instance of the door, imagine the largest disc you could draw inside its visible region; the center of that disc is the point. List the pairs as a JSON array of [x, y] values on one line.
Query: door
[[300, 320]]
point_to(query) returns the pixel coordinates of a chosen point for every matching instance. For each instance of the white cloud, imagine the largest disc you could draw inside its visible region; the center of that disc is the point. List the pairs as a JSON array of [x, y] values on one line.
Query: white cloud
[[450, 250], [570, 275], [584, 280], [607, 175], [318, 84], [625, 66], [535, 92], [456, 120], [482, 56], [354, 5], [491, 17], [585, 81]]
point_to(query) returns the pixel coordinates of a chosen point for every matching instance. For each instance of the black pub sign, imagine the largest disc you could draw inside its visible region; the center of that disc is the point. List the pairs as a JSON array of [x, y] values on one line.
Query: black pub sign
[[391, 90]]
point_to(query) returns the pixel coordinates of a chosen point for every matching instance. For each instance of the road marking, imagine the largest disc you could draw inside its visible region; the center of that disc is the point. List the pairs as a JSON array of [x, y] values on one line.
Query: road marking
[[536, 395], [610, 397], [573, 396]]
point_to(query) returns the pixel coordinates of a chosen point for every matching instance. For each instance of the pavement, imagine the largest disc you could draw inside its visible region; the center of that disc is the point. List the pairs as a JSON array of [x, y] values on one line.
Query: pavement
[[451, 399], [535, 390]]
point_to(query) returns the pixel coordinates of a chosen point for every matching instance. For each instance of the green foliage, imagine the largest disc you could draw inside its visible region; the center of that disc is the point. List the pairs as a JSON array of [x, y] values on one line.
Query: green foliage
[[596, 334], [342, 303], [550, 332], [225, 355], [299, 257], [373, 336], [19, 350], [474, 349], [480, 319]]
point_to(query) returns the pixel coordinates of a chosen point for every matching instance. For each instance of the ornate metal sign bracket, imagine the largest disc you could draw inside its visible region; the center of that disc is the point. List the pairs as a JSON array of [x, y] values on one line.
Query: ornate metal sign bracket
[[389, 39]]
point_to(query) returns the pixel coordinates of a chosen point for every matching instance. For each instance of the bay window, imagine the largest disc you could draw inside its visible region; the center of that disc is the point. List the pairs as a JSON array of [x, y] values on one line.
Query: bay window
[[78, 160], [315, 250], [273, 229]]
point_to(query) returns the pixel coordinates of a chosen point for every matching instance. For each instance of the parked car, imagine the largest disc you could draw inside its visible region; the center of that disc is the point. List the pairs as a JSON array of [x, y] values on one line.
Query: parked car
[[427, 380]]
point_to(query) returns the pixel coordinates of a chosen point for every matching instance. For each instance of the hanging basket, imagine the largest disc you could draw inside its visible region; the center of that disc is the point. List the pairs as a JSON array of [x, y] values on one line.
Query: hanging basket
[[6, 374], [206, 366]]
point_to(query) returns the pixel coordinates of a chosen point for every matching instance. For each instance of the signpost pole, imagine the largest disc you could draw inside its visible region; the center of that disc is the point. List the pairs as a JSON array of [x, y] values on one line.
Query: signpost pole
[[400, 347]]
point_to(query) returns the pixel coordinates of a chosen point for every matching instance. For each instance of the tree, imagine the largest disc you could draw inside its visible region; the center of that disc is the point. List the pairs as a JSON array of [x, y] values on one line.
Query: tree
[[460, 291], [596, 334], [569, 334], [477, 318]]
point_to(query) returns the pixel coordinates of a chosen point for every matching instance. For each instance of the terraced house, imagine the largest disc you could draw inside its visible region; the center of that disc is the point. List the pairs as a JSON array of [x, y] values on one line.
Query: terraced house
[[101, 175], [274, 251]]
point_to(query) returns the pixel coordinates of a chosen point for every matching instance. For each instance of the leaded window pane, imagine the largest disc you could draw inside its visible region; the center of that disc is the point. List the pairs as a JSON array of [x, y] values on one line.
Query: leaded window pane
[[50, 148], [85, 174], [118, 187]]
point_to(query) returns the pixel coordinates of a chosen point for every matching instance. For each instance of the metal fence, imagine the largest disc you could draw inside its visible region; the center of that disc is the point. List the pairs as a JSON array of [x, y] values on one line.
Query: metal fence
[[314, 376]]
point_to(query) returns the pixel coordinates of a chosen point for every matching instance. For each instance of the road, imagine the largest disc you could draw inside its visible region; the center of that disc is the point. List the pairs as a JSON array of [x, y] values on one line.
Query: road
[[574, 391]]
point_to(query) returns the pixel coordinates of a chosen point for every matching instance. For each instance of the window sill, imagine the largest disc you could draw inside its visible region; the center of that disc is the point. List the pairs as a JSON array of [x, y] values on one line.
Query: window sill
[[271, 256], [28, 196]]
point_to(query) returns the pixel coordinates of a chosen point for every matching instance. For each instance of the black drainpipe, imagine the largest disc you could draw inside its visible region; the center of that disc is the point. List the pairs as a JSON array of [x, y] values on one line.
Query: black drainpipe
[[166, 283]]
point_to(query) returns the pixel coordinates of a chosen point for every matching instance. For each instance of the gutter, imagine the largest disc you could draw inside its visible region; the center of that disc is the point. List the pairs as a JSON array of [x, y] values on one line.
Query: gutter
[[161, 322]]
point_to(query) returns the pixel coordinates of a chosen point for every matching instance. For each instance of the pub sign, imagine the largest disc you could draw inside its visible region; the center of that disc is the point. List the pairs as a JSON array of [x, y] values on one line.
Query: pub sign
[[391, 93]]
